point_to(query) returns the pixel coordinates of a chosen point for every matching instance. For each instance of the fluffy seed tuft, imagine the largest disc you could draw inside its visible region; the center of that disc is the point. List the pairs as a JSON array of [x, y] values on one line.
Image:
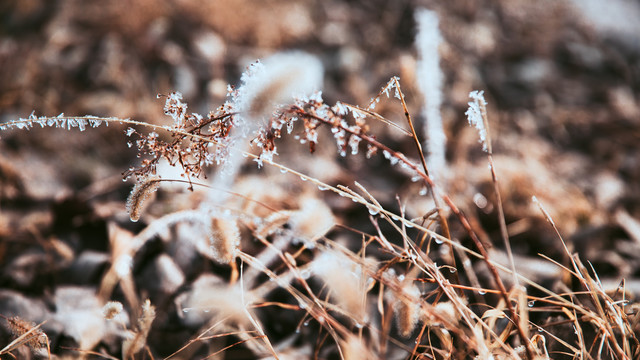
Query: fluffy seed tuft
[[407, 310], [224, 236], [140, 193], [35, 338], [111, 309], [476, 115]]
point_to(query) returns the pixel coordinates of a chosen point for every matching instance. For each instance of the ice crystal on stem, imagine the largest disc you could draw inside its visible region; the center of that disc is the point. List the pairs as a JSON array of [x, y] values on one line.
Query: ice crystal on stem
[[475, 115], [61, 122]]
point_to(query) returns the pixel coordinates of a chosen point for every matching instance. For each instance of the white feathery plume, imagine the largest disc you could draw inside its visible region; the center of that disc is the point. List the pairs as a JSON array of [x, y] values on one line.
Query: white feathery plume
[[429, 80], [264, 86]]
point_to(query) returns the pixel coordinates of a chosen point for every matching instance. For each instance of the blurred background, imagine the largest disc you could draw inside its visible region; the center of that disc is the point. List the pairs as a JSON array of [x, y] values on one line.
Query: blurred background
[[562, 79]]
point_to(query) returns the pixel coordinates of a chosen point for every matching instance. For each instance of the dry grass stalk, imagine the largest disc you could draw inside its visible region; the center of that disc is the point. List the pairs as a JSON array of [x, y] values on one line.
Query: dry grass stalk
[[138, 339], [477, 116], [312, 119]]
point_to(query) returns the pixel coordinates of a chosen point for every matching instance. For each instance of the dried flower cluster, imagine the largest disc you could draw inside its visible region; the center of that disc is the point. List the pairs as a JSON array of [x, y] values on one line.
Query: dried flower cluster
[[196, 142], [314, 113]]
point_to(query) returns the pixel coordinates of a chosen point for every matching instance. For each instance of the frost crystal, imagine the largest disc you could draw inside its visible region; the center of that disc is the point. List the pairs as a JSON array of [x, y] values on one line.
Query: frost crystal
[[354, 141], [175, 108], [340, 109], [82, 123], [290, 124], [61, 121], [316, 97]]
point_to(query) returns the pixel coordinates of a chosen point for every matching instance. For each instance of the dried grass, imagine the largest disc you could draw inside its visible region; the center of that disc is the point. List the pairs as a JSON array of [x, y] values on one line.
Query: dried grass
[[390, 288]]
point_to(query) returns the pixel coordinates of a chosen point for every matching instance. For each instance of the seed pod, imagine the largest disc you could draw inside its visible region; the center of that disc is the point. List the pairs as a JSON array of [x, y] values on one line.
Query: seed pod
[[139, 194]]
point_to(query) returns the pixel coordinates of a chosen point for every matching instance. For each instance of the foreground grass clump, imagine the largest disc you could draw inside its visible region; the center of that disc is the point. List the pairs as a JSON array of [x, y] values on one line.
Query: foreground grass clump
[[385, 298], [294, 270]]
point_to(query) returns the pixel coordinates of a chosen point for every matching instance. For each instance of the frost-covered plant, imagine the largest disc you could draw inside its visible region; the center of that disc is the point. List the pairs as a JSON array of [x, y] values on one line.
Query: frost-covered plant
[[196, 142], [353, 296], [477, 117]]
